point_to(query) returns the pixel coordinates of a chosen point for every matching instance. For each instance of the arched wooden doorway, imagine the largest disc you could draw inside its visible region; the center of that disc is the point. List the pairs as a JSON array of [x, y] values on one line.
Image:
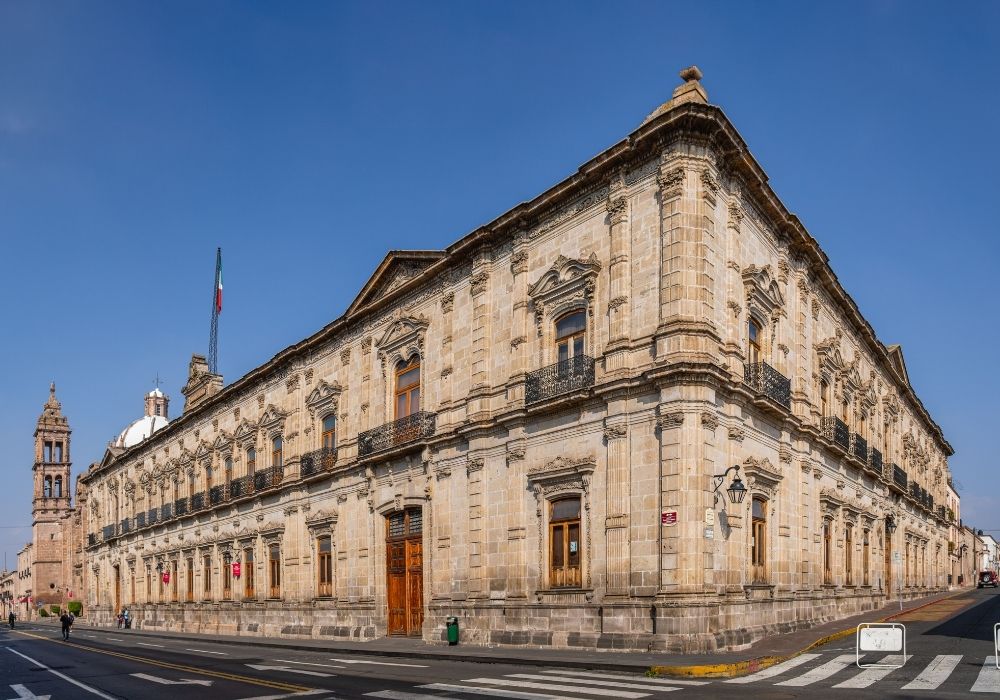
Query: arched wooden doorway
[[405, 571]]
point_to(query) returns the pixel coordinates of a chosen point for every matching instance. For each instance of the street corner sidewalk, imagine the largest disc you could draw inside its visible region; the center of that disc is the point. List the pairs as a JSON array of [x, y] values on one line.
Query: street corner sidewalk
[[778, 648]]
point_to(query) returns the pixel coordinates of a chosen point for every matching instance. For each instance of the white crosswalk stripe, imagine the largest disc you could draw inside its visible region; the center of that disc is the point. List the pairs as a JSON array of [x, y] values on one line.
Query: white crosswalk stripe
[[821, 672], [775, 670], [936, 672], [989, 677], [559, 687], [870, 676], [624, 677], [631, 684], [493, 692]]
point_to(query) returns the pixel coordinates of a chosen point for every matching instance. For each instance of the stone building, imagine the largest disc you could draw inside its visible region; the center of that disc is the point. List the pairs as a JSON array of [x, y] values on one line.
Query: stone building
[[535, 429]]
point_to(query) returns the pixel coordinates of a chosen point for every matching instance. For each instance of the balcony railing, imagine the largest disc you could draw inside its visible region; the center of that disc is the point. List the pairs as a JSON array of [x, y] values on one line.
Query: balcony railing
[[836, 430], [198, 501], [573, 374], [240, 487], [319, 460], [941, 512], [898, 477], [414, 427], [216, 495], [765, 379], [91, 539], [875, 458], [151, 516], [180, 507], [859, 447], [125, 526], [107, 532], [140, 519], [166, 511]]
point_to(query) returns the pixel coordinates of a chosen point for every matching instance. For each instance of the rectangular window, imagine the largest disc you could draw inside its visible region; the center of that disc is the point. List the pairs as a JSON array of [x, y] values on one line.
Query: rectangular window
[[149, 585], [565, 545], [206, 572], [758, 534], [47, 452], [827, 571], [173, 581], [227, 579], [849, 556], [274, 568], [864, 559], [324, 548], [249, 592], [59, 452], [190, 580]]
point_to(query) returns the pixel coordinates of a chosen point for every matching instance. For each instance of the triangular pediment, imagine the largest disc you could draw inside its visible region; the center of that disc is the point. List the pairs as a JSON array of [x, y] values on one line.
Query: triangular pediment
[[395, 270], [110, 454], [762, 290], [564, 273], [898, 364]]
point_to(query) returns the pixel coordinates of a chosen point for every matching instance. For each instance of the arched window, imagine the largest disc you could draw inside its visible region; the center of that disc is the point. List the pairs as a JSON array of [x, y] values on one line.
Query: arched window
[[329, 434], [753, 342], [863, 426], [571, 331], [758, 541], [407, 388], [251, 460], [565, 544], [824, 398], [47, 487], [58, 489], [276, 451]]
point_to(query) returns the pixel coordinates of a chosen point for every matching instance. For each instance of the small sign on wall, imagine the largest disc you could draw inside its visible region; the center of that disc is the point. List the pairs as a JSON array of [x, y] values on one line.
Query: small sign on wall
[[668, 517]]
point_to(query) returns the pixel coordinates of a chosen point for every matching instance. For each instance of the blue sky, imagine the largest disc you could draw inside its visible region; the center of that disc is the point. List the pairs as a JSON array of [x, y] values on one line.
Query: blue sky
[[307, 139]]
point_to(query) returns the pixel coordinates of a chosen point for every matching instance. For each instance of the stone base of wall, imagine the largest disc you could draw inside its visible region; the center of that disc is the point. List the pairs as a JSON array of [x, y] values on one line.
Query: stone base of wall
[[675, 624]]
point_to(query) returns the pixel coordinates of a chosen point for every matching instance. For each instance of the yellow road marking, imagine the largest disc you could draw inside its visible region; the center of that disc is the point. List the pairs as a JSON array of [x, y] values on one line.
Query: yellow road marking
[[278, 685]]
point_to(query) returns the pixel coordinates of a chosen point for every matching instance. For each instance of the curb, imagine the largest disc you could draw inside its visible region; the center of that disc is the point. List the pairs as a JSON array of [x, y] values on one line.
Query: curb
[[740, 668]]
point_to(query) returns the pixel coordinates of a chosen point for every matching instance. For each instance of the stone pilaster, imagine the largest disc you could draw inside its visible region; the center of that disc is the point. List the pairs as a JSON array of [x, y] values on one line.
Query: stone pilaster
[[619, 304], [474, 472], [617, 495], [519, 334]]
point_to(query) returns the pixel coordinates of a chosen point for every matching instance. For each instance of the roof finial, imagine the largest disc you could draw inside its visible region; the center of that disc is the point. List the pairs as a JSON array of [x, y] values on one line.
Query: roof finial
[[52, 389], [688, 91], [691, 74]]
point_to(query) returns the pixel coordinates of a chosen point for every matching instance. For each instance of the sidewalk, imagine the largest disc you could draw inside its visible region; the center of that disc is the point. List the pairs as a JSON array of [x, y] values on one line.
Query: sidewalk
[[764, 653]]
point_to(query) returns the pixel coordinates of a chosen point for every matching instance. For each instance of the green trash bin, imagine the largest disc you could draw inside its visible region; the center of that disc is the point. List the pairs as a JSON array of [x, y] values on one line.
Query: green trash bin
[[452, 625]]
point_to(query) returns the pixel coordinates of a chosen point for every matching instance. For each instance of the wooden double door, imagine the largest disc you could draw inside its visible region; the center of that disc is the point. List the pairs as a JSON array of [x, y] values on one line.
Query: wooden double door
[[405, 572]]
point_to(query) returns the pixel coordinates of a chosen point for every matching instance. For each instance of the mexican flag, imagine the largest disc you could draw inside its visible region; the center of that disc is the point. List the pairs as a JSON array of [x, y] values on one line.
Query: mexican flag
[[218, 281]]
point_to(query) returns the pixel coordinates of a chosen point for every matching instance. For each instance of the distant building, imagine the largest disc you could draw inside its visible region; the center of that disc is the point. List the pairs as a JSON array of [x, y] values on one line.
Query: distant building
[[535, 429]]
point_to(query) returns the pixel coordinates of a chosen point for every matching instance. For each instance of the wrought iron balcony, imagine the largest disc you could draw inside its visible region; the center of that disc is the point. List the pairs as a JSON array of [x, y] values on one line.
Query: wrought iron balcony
[[91, 539], [140, 519], [859, 447], [836, 430], [412, 428], [166, 511], [574, 374], [180, 507], [941, 512], [216, 495], [198, 501], [319, 460], [126, 526], [875, 460], [899, 477], [240, 487], [151, 516], [107, 532], [765, 379]]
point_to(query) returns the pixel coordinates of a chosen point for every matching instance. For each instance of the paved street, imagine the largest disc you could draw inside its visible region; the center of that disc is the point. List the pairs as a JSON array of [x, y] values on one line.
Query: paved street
[[949, 655]]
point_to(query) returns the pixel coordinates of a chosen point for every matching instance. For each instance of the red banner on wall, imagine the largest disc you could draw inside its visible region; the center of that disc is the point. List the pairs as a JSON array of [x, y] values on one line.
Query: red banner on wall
[[236, 569], [166, 577]]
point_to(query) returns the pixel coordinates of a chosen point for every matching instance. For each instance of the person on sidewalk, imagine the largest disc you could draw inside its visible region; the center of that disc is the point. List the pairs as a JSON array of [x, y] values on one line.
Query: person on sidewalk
[[128, 619], [67, 621], [11, 618]]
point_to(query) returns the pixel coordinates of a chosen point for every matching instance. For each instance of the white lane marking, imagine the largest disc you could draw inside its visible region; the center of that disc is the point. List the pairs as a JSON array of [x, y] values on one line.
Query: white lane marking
[[553, 686], [203, 651], [167, 681], [66, 678], [989, 677], [378, 663], [625, 677], [315, 691], [495, 692], [935, 674], [870, 675], [25, 694], [592, 681], [264, 667], [143, 644], [397, 695], [820, 672], [115, 639], [307, 663], [775, 670]]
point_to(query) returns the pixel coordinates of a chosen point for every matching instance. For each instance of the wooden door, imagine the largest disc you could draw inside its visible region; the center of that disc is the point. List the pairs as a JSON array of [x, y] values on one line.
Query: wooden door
[[888, 567], [404, 573], [118, 589]]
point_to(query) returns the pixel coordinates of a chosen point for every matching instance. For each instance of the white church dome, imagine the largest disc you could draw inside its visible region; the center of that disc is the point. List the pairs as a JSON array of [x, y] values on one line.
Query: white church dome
[[139, 430]]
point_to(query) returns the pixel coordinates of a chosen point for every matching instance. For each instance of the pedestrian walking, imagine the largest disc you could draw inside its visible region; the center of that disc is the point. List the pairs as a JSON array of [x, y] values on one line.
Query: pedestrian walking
[[11, 618], [121, 620], [128, 619], [67, 621]]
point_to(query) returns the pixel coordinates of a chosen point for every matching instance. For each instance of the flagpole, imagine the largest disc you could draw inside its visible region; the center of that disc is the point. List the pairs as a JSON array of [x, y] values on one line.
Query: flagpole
[[213, 339]]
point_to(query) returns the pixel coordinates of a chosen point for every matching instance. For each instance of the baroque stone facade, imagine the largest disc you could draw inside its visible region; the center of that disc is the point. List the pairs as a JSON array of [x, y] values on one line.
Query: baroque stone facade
[[525, 430]]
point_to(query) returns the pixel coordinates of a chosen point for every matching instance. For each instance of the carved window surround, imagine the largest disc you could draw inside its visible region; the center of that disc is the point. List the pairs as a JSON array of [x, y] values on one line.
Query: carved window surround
[[568, 285], [763, 477], [765, 302], [563, 477], [403, 339], [273, 421]]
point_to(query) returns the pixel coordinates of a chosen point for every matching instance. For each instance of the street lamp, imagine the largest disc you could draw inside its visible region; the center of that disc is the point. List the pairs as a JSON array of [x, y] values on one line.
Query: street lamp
[[737, 491], [890, 524]]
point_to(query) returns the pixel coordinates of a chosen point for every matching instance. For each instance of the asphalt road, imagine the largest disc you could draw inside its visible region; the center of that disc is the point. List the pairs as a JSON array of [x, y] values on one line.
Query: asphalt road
[[949, 655]]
